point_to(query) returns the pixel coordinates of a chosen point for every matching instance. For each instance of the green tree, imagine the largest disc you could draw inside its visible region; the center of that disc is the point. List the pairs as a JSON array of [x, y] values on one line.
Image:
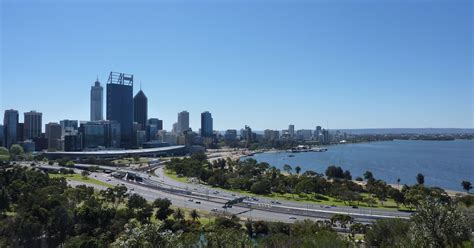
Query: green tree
[[466, 185], [16, 151], [178, 214], [297, 170], [368, 175], [194, 215], [135, 202], [420, 178], [261, 187], [437, 224], [163, 208], [4, 154], [287, 168], [4, 202], [387, 233], [85, 173]]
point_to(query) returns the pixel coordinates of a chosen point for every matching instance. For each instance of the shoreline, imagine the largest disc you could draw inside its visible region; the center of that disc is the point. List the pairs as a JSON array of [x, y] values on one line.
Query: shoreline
[[238, 154]]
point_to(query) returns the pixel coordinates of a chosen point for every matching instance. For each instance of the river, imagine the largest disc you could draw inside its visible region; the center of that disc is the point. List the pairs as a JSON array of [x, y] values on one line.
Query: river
[[443, 163]]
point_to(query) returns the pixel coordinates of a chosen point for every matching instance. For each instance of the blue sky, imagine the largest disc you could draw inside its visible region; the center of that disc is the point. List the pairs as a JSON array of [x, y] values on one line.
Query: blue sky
[[352, 64]]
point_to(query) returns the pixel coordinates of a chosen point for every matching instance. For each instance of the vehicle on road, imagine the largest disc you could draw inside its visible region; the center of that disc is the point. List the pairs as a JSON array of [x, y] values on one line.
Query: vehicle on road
[[191, 200], [214, 210], [292, 218], [197, 202]]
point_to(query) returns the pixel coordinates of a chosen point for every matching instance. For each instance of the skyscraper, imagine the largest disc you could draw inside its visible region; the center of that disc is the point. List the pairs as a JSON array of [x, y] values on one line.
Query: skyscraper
[[206, 124], [10, 123], [140, 109], [53, 134], [2, 136], [32, 125], [183, 121], [97, 99], [68, 127], [291, 131], [120, 104]]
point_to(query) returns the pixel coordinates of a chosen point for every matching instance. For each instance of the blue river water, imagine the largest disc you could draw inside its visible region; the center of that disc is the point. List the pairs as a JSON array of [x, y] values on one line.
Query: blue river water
[[443, 163]]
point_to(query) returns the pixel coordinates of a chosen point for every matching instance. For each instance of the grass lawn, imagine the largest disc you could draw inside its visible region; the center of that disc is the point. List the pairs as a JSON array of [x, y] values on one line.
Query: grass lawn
[[79, 178], [171, 174], [304, 198]]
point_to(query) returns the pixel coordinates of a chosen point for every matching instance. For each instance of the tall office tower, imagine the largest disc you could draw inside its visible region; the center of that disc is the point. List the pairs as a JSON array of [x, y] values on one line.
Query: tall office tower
[[318, 133], [10, 123], [183, 121], [153, 125], [2, 136], [175, 128], [93, 134], [120, 104], [97, 99], [68, 127], [140, 109], [20, 136], [112, 134], [206, 124], [32, 125], [291, 131], [53, 134]]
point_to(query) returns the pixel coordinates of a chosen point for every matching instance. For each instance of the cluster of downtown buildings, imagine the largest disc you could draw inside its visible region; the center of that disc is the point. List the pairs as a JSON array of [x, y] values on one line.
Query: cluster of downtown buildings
[[127, 126]]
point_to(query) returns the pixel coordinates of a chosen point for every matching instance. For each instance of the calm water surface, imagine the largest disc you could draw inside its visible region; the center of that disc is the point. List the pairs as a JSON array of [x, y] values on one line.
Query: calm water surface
[[444, 163]]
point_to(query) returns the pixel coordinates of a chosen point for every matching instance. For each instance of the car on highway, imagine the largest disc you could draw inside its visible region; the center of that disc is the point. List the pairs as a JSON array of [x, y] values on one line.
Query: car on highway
[[197, 202], [191, 200], [214, 210], [292, 218]]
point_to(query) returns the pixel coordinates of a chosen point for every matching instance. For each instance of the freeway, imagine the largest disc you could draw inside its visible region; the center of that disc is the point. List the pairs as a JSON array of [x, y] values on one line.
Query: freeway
[[159, 172], [205, 198]]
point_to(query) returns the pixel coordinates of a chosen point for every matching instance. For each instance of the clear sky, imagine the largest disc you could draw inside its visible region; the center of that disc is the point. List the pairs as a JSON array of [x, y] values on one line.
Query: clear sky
[[352, 64]]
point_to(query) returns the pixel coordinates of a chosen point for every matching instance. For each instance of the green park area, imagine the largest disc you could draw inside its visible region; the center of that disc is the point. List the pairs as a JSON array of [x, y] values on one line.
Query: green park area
[[80, 178]]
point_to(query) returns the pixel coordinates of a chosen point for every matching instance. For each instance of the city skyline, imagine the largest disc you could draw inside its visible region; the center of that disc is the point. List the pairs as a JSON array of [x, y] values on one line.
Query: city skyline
[[310, 74]]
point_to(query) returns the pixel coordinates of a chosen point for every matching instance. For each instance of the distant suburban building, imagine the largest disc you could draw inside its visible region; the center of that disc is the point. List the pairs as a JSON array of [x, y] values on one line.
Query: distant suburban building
[[140, 109], [318, 133], [247, 135], [271, 135], [97, 101], [291, 131], [10, 123], [230, 134], [120, 105], [183, 122], [53, 134], [206, 124], [304, 134], [32, 124]]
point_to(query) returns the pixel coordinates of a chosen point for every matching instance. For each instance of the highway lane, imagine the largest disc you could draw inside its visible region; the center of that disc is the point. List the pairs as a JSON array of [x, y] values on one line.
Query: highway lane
[[185, 201], [262, 208], [159, 173]]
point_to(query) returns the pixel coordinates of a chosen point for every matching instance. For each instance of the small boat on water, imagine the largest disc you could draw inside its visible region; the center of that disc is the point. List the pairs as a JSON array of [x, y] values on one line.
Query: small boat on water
[[291, 155]]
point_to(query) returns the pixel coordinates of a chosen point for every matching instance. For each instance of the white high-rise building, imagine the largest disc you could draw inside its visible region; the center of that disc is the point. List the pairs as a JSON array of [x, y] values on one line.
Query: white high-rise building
[[97, 99], [291, 131], [183, 121]]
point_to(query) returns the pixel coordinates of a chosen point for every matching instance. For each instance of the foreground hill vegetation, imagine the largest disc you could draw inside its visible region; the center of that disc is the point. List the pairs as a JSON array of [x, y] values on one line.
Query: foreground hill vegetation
[[38, 210]]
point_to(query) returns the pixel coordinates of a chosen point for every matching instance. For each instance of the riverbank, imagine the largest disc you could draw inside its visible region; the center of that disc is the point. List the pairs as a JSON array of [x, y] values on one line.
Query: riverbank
[[445, 164]]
